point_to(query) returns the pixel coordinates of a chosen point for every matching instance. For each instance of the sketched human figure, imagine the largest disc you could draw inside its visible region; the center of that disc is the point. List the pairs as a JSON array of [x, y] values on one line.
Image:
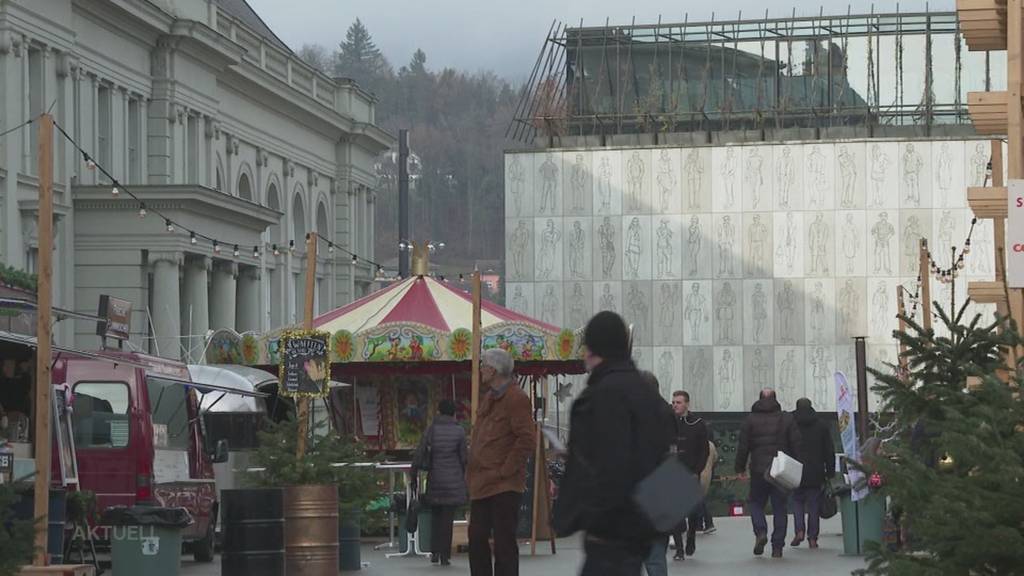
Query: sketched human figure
[[727, 382], [759, 307], [635, 180], [548, 184], [693, 241], [851, 243], [880, 308], [788, 243], [944, 173], [517, 176], [666, 369], [817, 241], [759, 367], [786, 303], [820, 375], [882, 232], [519, 303], [753, 176], [669, 304], [695, 311], [549, 306], [818, 314], [848, 175], [788, 375], [911, 242], [549, 240], [520, 246], [879, 170], [726, 241], [636, 301], [577, 245], [757, 236], [699, 366], [944, 246], [607, 299], [785, 177], [604, 184], [725, 312], [912, 166], [606, 235], [848, 305], [665, 250], [980, 260], [979, 165], [819, 179], [577, 311], [666, 179], [728, 171], [634, 249], [694, 176], [578, 181]]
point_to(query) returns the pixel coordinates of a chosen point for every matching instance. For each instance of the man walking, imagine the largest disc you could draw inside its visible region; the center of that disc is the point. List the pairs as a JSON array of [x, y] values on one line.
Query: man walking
[[618, 436], [691, 443], [502, 442], [766, 431], [817, 454]]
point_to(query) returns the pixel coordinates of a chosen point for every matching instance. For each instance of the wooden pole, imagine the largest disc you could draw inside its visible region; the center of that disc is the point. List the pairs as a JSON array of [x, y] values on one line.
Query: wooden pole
[[475, 392], [44, 303], [924, 272], [311, 245], [903, 364]]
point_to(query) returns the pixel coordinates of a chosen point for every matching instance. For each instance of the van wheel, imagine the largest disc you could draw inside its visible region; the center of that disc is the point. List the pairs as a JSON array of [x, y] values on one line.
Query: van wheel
[[202, 550]]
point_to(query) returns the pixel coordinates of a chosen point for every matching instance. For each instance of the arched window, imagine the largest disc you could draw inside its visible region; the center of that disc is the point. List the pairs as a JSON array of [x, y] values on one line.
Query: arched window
[[321, 220], [298, 219], [244, 189], [219, 186], [274, 203]]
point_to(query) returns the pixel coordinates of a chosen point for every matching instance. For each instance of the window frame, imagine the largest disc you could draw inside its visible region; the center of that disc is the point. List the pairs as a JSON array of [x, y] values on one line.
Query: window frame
[[127, 413]]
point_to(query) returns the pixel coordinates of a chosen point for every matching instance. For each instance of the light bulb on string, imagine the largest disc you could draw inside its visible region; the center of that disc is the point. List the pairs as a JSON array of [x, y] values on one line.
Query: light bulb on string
[[355, 259], [142, 210], [216, 247], [255, 251], [330, 247], [170, 225], [274, 248], [235, 251], [115, 191], [291, 245], [89, 163], [192, 238]]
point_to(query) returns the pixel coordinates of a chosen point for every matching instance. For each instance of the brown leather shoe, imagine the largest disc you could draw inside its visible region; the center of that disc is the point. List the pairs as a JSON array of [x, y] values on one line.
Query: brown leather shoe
[[812, 543], [776, 552], [798, 539]]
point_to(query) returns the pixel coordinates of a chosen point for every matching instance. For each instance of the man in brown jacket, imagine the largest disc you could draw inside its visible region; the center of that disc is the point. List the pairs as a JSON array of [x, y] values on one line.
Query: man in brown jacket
[[502, 441]]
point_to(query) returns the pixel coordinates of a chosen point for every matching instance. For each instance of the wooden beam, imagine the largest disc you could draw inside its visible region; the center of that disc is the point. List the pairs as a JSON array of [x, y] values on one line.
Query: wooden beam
[[311, 246], [988, 202], [44, 307]]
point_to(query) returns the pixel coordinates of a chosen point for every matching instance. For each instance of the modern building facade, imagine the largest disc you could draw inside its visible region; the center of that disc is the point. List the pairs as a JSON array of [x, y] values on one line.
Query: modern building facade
[[207, 117]]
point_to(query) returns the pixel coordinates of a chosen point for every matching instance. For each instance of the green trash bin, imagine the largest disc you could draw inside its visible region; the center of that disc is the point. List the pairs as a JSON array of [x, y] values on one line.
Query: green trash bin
[[146, 540], [422, 531], [862, 522]]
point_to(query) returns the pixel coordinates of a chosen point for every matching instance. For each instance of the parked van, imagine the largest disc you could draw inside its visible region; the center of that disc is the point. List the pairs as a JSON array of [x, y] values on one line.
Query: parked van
[[138, 438]]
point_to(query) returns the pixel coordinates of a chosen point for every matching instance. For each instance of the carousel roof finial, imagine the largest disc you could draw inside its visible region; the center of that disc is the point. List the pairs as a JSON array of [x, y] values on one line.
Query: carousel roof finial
[[420, 259]]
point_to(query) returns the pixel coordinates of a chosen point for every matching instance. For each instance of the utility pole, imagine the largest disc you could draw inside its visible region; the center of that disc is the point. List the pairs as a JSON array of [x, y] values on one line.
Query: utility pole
[[44, 303], [475, 377], [403, 204], [311, 245]]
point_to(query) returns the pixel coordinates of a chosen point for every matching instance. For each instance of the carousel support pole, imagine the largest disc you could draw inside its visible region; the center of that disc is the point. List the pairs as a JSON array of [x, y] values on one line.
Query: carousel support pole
[[924, 273], [311, 245], [44, 302], [475, 392]]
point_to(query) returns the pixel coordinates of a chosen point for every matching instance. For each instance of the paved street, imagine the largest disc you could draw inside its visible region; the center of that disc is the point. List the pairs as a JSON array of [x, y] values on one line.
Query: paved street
[[726, 553]]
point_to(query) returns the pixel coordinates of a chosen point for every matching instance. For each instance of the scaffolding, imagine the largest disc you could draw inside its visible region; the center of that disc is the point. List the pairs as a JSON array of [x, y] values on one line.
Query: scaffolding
[[891, 69]]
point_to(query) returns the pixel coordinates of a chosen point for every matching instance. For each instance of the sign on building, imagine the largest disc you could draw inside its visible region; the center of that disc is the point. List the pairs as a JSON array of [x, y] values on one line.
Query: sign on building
[[1015, 235], [115, 318]]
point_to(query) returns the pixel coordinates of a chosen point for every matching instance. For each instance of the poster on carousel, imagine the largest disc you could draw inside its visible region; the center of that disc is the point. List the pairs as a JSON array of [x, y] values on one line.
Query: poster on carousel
[[845, 403], [1015, 234], [304, 368]]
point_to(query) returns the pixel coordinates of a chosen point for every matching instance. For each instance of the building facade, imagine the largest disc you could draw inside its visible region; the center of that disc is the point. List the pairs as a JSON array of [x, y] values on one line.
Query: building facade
[[210, 120]]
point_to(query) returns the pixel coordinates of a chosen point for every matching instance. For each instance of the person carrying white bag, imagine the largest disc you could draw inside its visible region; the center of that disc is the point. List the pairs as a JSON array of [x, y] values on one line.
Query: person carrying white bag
[[769, 436]]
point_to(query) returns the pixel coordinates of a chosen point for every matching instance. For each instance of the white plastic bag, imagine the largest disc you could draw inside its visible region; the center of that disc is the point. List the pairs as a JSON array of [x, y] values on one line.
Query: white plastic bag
[[786, 472]]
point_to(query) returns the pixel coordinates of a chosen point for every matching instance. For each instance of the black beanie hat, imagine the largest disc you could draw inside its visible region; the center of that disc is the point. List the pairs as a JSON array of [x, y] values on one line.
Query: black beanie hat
[[606, 336]]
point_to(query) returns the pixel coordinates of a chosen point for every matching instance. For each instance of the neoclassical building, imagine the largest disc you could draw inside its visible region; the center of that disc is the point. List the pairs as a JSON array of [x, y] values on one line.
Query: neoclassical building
[[209, 119]]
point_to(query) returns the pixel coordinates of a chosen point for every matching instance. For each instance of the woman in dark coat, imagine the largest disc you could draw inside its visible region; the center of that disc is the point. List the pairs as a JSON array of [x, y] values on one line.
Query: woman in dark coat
[[446, 477], [817, 453]]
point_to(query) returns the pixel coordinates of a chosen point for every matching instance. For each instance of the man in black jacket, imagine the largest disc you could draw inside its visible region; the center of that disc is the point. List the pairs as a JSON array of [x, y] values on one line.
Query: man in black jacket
[[766, 431], [818, 455], [692, 449], [618, 435]]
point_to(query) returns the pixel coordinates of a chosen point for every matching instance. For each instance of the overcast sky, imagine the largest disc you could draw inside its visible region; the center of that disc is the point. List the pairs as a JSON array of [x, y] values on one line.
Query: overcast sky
[[506, 36]]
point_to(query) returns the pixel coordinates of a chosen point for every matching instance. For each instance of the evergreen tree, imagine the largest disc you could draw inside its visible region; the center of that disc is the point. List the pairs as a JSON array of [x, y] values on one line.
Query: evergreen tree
[[359, 58], [418, 65], [16, 536], [956, 464]]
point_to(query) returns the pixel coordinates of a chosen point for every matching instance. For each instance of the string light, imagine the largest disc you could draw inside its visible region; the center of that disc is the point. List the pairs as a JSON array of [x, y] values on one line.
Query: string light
[[330, 248], [216, 247], [276, 251], [170, 225], [235, 251], [256, 251], [88, 161], [192, 238], [291, 245], [115, 192], [142, 210], [355, 259]]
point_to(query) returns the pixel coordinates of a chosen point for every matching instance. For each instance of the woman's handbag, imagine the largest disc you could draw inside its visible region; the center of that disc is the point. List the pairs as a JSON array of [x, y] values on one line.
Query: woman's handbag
[[829, 505]]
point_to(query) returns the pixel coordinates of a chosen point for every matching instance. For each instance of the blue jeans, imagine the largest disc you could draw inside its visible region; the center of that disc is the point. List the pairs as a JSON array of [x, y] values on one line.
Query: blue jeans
[[761, 491], [656, 563], [807, 501]]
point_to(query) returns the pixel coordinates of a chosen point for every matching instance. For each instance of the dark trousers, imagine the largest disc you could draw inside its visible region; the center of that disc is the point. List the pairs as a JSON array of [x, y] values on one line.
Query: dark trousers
[[442, 518], [691, 533], [496, 516], [611, 559], [807, 501], [761, 491], [707, 521]]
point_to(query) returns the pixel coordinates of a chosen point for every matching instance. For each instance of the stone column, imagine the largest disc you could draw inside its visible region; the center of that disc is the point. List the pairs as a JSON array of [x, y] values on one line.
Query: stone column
[[222, 295], [196, 315], [247, 303], [166, 311]]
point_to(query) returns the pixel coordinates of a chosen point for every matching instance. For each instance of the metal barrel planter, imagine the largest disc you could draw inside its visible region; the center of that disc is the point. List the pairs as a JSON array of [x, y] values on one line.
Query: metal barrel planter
[[311, 530], [252, 524]]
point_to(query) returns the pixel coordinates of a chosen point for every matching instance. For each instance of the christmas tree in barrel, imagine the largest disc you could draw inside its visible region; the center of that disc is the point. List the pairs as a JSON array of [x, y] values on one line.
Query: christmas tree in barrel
[[954, 469]]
